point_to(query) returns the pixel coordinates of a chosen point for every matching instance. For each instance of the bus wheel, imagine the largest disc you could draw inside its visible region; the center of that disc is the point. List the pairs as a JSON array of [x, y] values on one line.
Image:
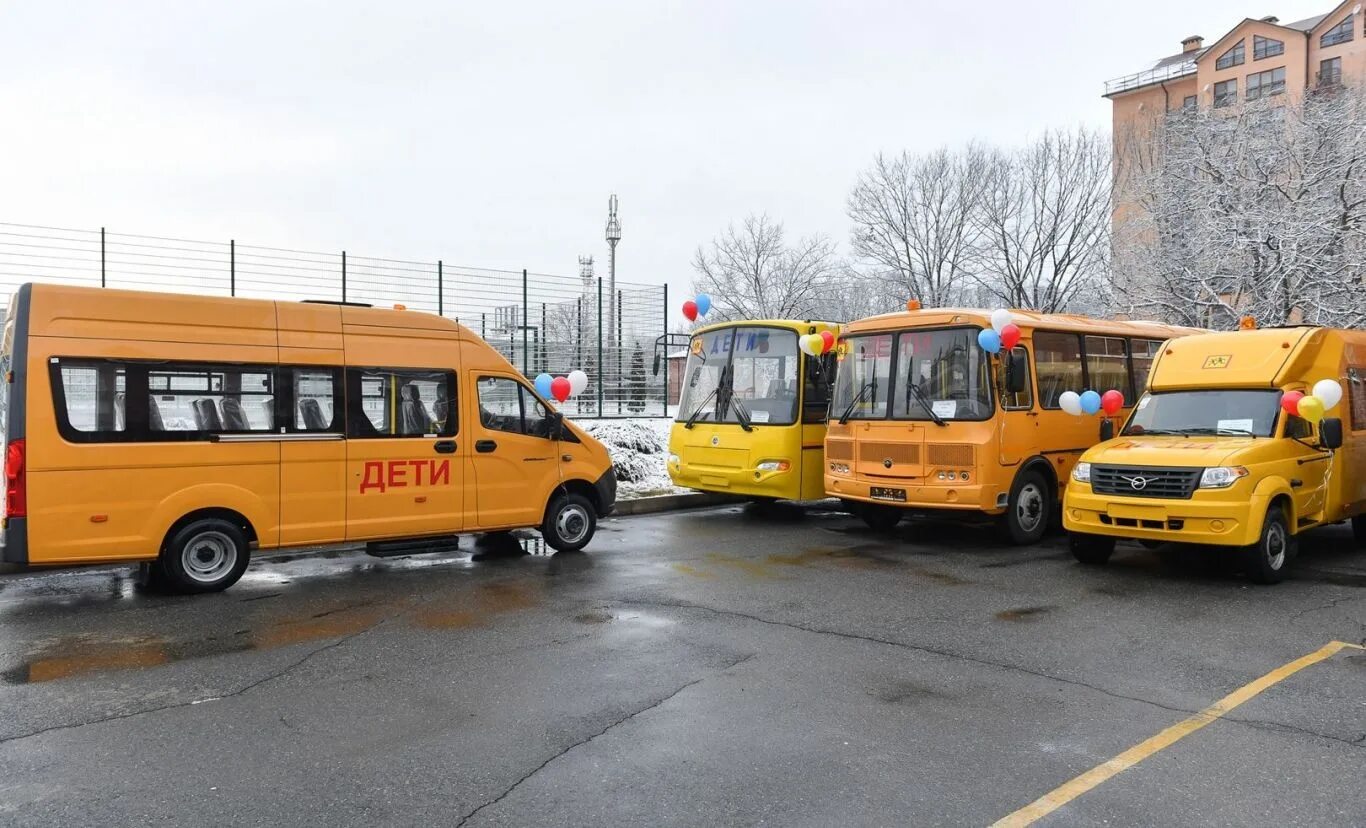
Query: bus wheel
[[569, 522], [1267, 559], [880, 518], [1093, 550], [1028, 510], [206, 555]]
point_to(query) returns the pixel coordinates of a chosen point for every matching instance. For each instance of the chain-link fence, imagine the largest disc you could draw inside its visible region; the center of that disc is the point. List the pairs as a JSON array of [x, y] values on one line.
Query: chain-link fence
[[543, 323]]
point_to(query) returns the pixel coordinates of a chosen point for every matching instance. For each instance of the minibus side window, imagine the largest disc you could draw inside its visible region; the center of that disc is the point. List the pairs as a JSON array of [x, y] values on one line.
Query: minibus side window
[[507, 405], [1057, 362], [1297, 428], [94, 395], [1020, 400], [210, 399], [400, 402], [315, 394]]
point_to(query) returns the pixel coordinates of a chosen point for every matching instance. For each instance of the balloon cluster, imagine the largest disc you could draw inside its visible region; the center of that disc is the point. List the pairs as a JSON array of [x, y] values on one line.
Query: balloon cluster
[[697, 306], [1004, 333], [1324, 396], [816, 344], [1090, 402], [561, 388]]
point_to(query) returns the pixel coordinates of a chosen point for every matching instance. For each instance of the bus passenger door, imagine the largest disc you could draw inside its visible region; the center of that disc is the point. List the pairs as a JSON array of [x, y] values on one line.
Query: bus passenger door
[[1019, 418], [404, 455], [516, 464], [312, 456]]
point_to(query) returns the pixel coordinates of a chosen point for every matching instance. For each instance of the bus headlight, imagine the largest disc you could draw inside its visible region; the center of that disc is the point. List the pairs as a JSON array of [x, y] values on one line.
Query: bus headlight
[[839, 468], [1082, 472], [673, 460], [1221, 477], [774, 466]]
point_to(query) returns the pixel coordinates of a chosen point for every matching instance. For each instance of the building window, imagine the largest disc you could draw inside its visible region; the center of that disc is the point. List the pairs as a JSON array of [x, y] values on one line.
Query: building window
[[1265, 47], [1190, 103], [1226, 92], [1330, 72], [1266, 84], [1235, 56], [1341, 33]]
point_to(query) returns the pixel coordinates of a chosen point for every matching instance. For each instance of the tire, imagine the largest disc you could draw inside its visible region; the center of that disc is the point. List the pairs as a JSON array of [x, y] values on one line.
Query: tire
[[880, 518], [1359, 529], [1092, 550], [206, 555], [1028, 510], [570, 522], [1267, 560]]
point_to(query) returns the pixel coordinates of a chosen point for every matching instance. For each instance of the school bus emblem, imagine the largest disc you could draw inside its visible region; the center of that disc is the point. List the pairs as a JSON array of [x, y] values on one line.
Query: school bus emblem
[[1218, 361]]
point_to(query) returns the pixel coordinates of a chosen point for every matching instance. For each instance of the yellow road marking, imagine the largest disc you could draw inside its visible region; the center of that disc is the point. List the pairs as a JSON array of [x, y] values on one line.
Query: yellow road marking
[[688, 570], [1065, 793]]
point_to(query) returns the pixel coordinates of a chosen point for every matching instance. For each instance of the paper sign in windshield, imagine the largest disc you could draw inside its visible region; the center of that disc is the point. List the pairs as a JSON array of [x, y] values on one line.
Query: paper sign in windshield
[[1234, 426], [759, 416], [944, 408]]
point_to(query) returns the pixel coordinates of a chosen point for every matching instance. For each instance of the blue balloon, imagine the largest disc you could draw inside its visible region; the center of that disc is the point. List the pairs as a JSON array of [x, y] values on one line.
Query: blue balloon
[[990, 341], [1090, 402], [703, 302], [543, 385]]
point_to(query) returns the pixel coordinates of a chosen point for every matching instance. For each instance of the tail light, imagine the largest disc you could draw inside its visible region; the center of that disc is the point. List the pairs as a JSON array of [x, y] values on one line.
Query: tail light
[[16, 487]]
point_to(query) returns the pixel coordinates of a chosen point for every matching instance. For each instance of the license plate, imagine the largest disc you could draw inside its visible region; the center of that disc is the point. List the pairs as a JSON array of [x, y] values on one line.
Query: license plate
[[880, 493]]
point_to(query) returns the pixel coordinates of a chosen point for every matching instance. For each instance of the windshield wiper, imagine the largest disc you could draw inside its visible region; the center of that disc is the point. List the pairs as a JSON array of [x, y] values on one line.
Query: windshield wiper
[[924, 402], [858, 398], [701, 407], [740, 413]]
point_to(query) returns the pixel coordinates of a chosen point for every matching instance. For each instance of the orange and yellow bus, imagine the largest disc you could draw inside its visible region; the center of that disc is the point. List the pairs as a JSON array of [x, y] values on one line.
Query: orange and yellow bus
[[187, 431], [922, 418]]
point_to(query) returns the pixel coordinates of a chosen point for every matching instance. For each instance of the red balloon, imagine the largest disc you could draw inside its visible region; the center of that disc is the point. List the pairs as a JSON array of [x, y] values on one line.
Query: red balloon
[[1111, 401], [690, 310], [1010, 336], [560, 388], [1290, 401], [827, 341]]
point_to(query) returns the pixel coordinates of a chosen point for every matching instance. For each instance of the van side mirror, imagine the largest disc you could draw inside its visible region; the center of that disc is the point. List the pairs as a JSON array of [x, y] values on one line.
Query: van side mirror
[[1107, 429], [1330, 433], [656, 368], [555, 426], [1017, 371]]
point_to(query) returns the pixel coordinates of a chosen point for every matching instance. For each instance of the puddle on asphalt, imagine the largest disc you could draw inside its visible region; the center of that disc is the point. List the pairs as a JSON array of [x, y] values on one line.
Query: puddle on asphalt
[[1023, 613], [853, 557], [487, 601], [905, 692], [595, 617]]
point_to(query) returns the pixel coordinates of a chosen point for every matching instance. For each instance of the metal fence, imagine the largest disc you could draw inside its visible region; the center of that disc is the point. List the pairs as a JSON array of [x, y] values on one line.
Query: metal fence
[[541, 322]]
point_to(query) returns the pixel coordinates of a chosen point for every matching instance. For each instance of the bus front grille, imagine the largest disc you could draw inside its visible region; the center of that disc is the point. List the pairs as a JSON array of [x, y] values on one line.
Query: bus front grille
[[901, 454], [1145, 481], [950, 454], [841, 450]]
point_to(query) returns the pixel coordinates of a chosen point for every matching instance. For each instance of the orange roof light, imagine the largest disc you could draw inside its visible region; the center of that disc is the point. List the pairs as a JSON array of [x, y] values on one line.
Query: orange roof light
[[912, 304], [400, 307], [1247, 323]]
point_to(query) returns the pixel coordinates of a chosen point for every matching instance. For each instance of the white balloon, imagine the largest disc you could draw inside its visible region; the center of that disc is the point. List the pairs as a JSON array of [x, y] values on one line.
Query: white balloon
[[1070, 401], [1000, 318], [578, 381], [805, 343], [1329, 392]]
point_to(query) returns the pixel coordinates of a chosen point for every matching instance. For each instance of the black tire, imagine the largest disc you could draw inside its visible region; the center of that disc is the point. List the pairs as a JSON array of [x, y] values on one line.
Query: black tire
[[880, 518], [1028, 510], [1092, 550], [1267, 560], [570, 521], [205, 555], [1359, 529]]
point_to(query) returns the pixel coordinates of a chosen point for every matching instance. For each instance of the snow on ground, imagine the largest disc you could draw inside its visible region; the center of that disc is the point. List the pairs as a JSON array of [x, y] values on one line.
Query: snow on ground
[[639, 447]]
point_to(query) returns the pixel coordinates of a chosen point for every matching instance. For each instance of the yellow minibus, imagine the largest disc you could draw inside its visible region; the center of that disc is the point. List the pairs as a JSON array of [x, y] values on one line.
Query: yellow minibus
[[922, 418], [188, 431], [751, 414], [1210, 456]]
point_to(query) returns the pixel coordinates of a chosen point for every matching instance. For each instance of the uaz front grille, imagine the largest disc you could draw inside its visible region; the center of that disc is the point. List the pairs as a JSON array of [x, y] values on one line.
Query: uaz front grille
[[1144, 481]]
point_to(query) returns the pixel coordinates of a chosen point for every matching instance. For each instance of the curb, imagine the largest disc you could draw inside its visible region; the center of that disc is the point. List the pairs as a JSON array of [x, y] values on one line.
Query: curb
[[669, 503]]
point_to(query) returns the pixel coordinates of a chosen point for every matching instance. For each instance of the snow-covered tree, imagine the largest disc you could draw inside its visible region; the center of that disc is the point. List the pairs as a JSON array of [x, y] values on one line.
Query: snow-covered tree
[[751, 272]]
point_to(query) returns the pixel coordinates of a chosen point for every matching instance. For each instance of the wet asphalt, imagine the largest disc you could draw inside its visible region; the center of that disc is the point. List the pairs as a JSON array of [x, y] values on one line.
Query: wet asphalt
[[782, 666]]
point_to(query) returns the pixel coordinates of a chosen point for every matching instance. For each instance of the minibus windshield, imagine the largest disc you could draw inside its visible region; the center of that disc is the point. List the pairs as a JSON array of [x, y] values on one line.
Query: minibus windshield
[[745, 374], [1235, 413], [941, 375]]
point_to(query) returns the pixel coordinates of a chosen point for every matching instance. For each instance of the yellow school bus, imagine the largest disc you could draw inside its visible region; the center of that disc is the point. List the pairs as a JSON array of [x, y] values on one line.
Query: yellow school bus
[[922, 418], [187, 431], [751, 415], [1209, 457]]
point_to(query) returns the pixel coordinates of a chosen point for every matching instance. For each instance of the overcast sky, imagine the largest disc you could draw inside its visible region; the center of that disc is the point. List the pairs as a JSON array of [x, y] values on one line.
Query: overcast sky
[[491, 134]]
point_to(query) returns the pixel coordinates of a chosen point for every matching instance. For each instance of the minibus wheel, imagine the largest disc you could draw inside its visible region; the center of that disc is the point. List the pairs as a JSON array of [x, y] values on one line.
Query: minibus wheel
[[1268, 558], [569, 523], [205, 555], [1093, 550], [1029, 509], [880, 518]]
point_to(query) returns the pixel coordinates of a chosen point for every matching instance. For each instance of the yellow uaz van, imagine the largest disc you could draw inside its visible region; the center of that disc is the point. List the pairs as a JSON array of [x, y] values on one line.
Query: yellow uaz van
[[1208, 456], [187, 431]]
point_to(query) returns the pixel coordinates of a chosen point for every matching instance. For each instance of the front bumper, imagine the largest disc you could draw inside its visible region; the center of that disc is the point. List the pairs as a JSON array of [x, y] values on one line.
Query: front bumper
[[1200, 520], [920, 494], [784, 485], [606, 487]]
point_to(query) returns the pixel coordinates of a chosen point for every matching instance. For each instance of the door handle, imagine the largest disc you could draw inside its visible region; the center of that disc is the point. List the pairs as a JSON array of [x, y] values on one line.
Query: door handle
[[1295, 483], [485, 446], [444, 446]]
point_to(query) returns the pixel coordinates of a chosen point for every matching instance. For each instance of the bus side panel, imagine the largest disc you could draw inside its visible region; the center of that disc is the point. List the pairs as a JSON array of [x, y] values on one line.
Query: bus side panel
[[813, 461], [312, 474]]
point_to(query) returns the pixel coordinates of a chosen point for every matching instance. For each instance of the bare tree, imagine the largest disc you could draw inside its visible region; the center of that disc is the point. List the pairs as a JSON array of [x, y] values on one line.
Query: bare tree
[[1258, 208], [1042, 223], [752, 273], [914, 220]]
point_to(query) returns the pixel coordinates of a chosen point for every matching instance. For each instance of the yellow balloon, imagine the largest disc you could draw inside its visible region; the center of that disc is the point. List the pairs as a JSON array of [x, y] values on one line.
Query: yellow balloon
[[1311, 409]]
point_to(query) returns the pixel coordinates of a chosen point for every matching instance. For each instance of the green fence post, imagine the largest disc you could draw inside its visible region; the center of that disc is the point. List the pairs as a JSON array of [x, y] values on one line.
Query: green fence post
[[526, 317], [665, 340], [601, 365]]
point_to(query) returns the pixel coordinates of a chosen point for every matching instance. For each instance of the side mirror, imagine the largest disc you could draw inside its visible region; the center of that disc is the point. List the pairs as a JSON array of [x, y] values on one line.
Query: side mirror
[[656, 369], [1330, 433], [1017, 371], [1107, 429], [555, 425]]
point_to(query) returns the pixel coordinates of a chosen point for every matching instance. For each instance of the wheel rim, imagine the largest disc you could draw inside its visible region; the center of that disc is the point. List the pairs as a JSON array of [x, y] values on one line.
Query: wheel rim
[[1029, 507], [1275, 546], [208, 557], [571, 524]]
